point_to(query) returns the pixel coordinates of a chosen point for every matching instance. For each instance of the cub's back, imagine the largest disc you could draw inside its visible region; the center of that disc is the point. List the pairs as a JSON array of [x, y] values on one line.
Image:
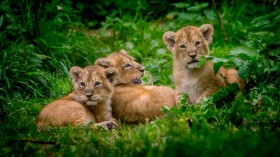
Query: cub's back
[[136, 103]]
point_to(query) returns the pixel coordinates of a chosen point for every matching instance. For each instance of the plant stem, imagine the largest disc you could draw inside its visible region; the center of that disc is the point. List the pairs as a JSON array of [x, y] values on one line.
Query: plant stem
[[220, 22]]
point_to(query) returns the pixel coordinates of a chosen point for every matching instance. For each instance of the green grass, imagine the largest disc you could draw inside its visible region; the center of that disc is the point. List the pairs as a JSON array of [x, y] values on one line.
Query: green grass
[[212, 133], [34, 72]]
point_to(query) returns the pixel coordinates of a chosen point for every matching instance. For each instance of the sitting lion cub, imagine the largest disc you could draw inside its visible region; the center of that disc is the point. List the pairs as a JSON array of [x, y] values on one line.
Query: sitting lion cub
[[133, 102], [89, 102], [187, 45]]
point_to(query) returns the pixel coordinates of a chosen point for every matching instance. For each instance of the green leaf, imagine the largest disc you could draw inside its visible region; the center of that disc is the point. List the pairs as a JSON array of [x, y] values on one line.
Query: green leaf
[[275, 68], [1, 21], [204, 59], [189, 16], [244, 70], [209, 14], [217, 66], [217, 61], [181, 5], [184, 98], [268, 20], [244, 52], [198, 7]]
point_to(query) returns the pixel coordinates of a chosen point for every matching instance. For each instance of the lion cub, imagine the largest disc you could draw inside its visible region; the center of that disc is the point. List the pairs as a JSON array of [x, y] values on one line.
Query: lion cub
[[133, 102], [187, 45], [89, 102]]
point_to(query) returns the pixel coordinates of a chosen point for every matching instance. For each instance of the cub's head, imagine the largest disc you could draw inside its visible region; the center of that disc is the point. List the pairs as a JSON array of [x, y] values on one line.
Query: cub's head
[[93, 84], [130, 71], [189, 43]]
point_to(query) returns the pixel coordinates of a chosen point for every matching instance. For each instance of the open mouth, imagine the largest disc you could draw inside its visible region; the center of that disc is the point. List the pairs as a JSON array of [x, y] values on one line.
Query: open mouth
[[137, 81], [193, 61]]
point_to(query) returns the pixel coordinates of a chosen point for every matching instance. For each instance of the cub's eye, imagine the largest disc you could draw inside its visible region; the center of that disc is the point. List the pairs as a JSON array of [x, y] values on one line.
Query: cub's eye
[[127, 65], [182, 46], [197, 43], [83, 84], [97, 83]]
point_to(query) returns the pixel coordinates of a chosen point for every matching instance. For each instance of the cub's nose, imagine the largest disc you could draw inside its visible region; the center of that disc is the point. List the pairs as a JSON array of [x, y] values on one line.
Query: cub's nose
[[192, 55], [142, 69], [89, 94]]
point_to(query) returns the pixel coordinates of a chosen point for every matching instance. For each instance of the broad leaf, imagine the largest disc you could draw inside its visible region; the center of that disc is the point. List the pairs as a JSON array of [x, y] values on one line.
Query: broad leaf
[[243, 52], [244, 70], [217, 66]]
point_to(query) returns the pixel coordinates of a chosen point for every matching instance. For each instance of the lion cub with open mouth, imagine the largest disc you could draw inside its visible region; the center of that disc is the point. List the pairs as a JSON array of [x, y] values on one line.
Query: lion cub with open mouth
[[89, 102], [187, 45], [133, 102]]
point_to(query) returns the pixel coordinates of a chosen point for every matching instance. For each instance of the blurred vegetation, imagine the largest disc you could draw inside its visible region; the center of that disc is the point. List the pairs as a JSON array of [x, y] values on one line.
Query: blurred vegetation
[[41, 40]]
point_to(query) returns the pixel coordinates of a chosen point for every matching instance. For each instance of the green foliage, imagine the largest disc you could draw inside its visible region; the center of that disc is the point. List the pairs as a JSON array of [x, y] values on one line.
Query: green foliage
[[33, 45], [40, 41], [23, 62], [192, 13]]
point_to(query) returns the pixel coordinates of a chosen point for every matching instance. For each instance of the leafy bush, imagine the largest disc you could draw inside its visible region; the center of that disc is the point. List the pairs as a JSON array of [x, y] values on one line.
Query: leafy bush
[[258, 60]]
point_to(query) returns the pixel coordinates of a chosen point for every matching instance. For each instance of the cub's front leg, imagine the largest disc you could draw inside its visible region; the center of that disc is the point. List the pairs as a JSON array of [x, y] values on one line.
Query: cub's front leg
[[178, 95], [206, 93], [103, 116]]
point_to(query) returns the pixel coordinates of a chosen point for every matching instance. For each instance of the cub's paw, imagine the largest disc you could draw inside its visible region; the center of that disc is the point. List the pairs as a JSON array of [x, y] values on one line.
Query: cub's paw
[[98, 98], [106, 125]]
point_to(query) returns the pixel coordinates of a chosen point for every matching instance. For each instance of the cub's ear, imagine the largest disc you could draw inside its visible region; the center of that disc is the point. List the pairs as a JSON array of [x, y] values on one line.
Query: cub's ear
[[75, 72], [105, 63], [207, 31], [169, 39], [112, 75]]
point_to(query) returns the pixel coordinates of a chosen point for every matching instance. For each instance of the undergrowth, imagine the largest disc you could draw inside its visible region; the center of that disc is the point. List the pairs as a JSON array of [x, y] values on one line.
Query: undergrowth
[[41, 41]]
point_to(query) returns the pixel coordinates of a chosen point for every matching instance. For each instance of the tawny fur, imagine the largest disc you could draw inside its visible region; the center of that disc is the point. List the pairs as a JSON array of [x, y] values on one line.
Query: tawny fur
[[133, 102], [130, 71], [89, 102], [187, 45], [140, 103]]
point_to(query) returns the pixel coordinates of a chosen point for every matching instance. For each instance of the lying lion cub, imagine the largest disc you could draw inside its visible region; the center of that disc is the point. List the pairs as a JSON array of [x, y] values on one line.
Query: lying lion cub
[[89, 102], [187, 45], [133, 102]]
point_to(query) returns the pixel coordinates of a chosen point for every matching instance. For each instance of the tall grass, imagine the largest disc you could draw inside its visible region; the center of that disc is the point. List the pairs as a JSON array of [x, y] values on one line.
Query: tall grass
[[35, 45]]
